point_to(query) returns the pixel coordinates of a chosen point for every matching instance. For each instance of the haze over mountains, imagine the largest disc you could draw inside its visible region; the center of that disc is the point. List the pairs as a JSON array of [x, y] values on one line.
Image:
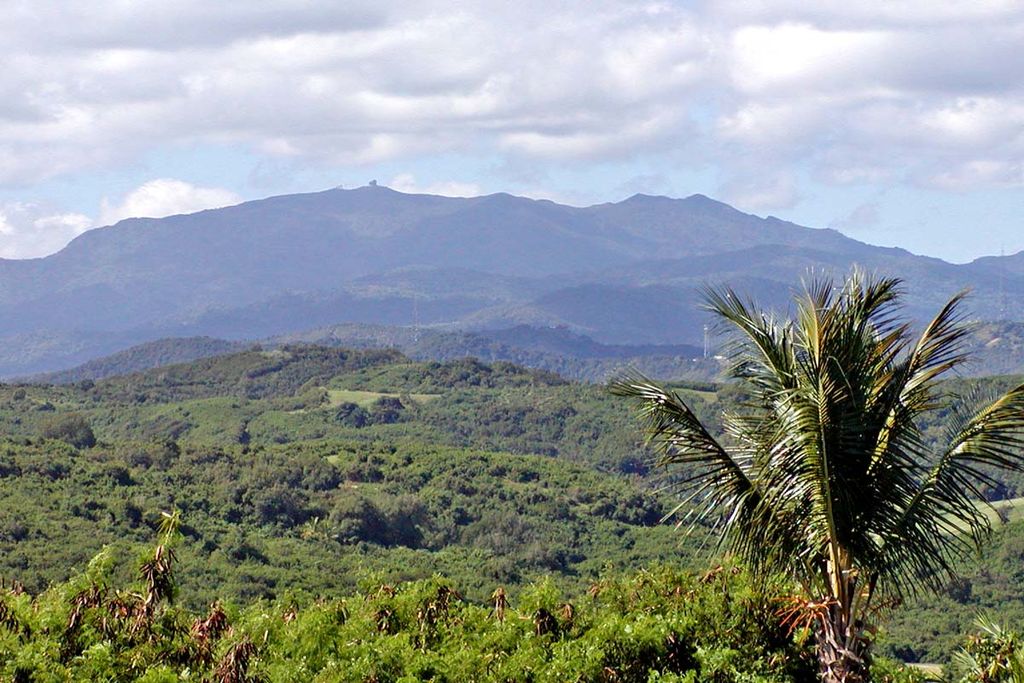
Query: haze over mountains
[[623, 274]]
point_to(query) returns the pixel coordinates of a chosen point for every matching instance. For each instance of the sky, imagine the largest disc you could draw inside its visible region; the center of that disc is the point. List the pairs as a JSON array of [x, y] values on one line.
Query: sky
[[899, 123]]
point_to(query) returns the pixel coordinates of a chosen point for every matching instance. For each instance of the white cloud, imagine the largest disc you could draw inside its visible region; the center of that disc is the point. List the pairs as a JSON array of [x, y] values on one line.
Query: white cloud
[[916, 13], [970, 122], [863, 218], [165, 197], [771, 126], [406, 182], [798, 57], [348, 87], [33, 229], [976, 173], [30, 230], [761, 191], [904, 90]]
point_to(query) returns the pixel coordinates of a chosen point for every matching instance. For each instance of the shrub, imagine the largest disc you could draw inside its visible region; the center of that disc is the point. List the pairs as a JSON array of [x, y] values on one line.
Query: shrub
[[72, 429], [992, 655]]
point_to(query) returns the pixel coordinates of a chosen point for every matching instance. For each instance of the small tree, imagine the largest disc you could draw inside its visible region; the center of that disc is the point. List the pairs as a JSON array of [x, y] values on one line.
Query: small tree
[[73, 429], [825, 475]]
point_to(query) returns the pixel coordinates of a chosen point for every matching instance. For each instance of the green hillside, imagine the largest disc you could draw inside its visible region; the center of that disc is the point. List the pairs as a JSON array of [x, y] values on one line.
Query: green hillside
[[308, 468], [308, 471]]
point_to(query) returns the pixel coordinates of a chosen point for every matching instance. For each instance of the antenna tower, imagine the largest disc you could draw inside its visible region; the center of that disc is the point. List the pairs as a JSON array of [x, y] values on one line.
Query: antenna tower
[[415, 319], [1002, 288]]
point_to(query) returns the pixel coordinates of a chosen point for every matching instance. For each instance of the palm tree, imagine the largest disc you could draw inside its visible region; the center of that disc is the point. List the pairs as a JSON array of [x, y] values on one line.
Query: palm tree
[[824, 474]]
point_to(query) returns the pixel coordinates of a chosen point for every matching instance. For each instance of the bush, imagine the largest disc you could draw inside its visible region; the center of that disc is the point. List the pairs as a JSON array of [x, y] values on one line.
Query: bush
[[663, 626], [992, 655], [351, 415], [72, 429]]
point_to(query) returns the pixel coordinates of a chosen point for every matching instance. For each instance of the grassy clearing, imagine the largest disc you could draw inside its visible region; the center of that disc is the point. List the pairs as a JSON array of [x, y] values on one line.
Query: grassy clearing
[[1011, 509], [706, 395], [365, 399], [1001, 511]]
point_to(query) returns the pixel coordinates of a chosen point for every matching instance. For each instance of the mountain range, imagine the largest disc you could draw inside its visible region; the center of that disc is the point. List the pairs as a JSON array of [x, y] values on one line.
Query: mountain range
[[624, 274]]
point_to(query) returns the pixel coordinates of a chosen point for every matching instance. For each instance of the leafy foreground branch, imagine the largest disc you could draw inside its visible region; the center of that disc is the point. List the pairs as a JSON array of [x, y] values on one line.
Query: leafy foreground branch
[[825, 476], [659, 625], [993, 654]]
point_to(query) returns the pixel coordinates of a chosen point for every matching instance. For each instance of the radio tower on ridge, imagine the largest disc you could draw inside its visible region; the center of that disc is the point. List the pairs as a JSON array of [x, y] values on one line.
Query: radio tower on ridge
[[1002, 287], [415, 319]]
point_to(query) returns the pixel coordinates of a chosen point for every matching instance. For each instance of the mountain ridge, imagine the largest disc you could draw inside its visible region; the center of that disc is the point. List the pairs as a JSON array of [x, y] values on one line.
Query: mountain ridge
[[623, 272], [994, 348]]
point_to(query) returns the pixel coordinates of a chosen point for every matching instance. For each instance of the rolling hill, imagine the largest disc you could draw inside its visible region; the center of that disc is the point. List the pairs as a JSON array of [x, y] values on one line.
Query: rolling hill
[[560, 350]]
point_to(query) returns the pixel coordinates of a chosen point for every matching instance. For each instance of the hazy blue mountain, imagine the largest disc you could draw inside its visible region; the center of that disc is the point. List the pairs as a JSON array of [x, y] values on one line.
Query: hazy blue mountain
[[154, 354], [559, 350], [994, 348], [621, 273]]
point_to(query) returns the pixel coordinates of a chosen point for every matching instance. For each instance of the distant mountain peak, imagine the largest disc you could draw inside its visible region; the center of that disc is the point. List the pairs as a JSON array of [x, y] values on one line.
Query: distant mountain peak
[[623, 271], [642, 198], [699, 201], [376, 188]]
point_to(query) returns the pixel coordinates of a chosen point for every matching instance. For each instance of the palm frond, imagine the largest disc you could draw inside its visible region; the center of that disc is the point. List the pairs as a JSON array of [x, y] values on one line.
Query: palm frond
[[764, 355], [712, 474], [946, 519], [826, 473], [939, 350]]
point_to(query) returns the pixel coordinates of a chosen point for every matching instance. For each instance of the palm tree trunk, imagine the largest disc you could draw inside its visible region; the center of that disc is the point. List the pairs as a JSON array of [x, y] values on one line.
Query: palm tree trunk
[[842, 651]]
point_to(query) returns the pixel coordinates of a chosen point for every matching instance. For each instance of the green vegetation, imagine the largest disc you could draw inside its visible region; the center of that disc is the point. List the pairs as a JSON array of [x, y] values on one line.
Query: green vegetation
[[487, 474], [825, 476], [991, 655], [280, 490], [144, 356], [315, 517], [72, 429], [658, 625], [366, 399]]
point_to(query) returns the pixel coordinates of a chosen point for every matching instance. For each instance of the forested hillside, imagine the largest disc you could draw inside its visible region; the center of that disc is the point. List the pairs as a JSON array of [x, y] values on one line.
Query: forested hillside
[[285, 463], [307, 471], [995, 349]]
